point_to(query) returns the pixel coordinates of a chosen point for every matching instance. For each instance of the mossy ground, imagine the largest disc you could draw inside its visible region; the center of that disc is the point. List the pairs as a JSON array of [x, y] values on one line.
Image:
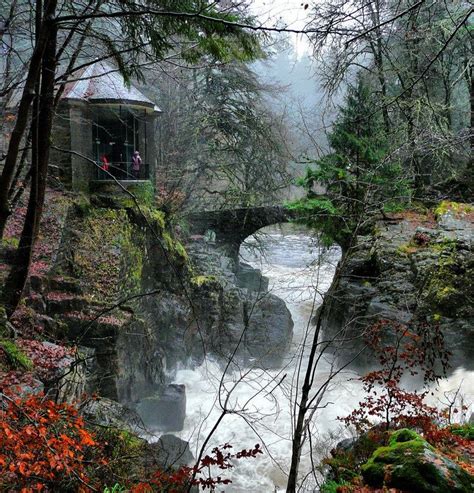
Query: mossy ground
[[107, 256], [455, 208], [411, 464], [15, 357]]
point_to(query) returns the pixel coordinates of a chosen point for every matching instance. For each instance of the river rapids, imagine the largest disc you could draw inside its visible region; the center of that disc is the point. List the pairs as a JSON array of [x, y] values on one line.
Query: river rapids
[[263, 400]]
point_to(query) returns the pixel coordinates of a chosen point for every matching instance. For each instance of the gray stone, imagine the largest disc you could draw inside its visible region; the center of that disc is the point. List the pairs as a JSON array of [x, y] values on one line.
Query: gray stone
[[168, 452], [251, 279], [269, 330], [166, 411], [346, 444], [106, 412], [427, 283], [384, 310]]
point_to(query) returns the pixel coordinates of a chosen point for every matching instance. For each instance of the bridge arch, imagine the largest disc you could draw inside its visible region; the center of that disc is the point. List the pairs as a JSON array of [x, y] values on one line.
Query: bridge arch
[[232, 226]]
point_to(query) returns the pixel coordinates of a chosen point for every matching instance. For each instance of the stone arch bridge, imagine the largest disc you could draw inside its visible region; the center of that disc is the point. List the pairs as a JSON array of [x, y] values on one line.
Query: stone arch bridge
[[232, 226]]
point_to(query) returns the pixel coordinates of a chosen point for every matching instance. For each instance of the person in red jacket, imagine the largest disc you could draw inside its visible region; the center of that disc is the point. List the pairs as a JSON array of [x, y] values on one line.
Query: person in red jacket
[[104, 162]]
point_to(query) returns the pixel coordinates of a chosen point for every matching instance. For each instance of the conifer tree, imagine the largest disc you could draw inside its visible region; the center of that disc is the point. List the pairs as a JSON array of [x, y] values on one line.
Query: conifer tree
[[359, 177]]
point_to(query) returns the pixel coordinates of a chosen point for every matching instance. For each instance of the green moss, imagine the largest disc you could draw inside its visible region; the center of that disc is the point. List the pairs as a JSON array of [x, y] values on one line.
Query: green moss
[[83, 205], [116, 488], [332, 486], [143, 192], [447, 246], [175, 247], [4, 332], [457, 208], [181, 251], [448, 282], [157, 217], [168, 241], [16, 357], [123, 448], [404, 455], [403, 435], [391, 207], [203, 280], [407, 249], [466, 430], [412, 464], [108, 255], [11, 242]]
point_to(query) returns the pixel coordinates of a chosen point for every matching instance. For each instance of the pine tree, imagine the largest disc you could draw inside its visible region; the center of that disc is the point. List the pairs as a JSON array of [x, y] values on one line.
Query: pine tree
[[358, 176]]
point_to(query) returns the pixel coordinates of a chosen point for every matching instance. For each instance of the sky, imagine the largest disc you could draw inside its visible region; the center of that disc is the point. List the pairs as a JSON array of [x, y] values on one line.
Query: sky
[[289, 12], [294, 70]]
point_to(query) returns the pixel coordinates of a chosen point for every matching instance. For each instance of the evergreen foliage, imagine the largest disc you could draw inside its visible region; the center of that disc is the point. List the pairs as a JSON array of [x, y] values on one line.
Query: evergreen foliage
[[359, 176]]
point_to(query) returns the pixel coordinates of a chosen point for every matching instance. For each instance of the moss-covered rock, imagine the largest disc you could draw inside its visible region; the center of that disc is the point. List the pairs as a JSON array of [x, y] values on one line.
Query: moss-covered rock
[[456, 208], [199, 281], [413, 465], [15, 356], [108, 254], [448, 282]]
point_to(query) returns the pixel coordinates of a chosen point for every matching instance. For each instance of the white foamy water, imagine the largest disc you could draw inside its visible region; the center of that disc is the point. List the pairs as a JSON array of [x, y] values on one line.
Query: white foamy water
[[262, 401]]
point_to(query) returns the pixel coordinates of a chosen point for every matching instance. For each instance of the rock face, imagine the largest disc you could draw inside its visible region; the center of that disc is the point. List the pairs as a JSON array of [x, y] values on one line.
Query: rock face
[[165, 411], [411, 464], [236, 310], [170, 451], [106, 412], [139, 304], [416, 268]]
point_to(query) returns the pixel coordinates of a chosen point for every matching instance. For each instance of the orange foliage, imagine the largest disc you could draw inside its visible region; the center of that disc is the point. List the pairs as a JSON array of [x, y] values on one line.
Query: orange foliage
[[43, 446]]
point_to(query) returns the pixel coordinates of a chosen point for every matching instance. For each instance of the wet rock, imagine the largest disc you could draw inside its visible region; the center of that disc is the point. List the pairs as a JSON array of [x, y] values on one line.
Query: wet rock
[[237, 310], [251, 279], [409, 463], [106, 412], [345, 445], [384, 310], [166, 411], [269, 330], [168, 452], [73, 376], [406, 272]]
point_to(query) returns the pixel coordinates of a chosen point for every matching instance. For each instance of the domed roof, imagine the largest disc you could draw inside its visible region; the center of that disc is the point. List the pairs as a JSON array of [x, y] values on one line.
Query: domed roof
[[100, 83]]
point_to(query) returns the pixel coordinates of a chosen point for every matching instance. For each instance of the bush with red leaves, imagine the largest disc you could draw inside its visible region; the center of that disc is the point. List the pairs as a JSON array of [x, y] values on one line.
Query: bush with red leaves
[[43, 446], [416, 350]]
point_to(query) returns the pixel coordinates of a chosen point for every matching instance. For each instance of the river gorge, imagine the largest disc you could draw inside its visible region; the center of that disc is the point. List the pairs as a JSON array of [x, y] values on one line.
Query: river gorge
[[262, 400]]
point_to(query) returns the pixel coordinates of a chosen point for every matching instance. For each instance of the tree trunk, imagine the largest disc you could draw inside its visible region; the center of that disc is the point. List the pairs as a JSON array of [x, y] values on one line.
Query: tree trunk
[[379, 63], [470, 82], [39, 167], [301, 424], [21, 121]]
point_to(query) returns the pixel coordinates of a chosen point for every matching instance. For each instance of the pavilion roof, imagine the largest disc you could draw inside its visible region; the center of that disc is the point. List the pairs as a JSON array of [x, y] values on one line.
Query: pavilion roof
[[103, 83]]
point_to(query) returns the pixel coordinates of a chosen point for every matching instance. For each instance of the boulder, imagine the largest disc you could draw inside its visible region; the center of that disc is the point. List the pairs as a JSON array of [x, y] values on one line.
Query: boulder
[[106, 412], [251, 279], [168, 452], [165, 411], [269, 329], [411, 464], [345, 445], [407, 270]]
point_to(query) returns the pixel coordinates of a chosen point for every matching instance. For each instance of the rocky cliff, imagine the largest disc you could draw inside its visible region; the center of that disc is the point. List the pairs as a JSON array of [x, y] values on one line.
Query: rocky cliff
[[414, 267], [118, 285]]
